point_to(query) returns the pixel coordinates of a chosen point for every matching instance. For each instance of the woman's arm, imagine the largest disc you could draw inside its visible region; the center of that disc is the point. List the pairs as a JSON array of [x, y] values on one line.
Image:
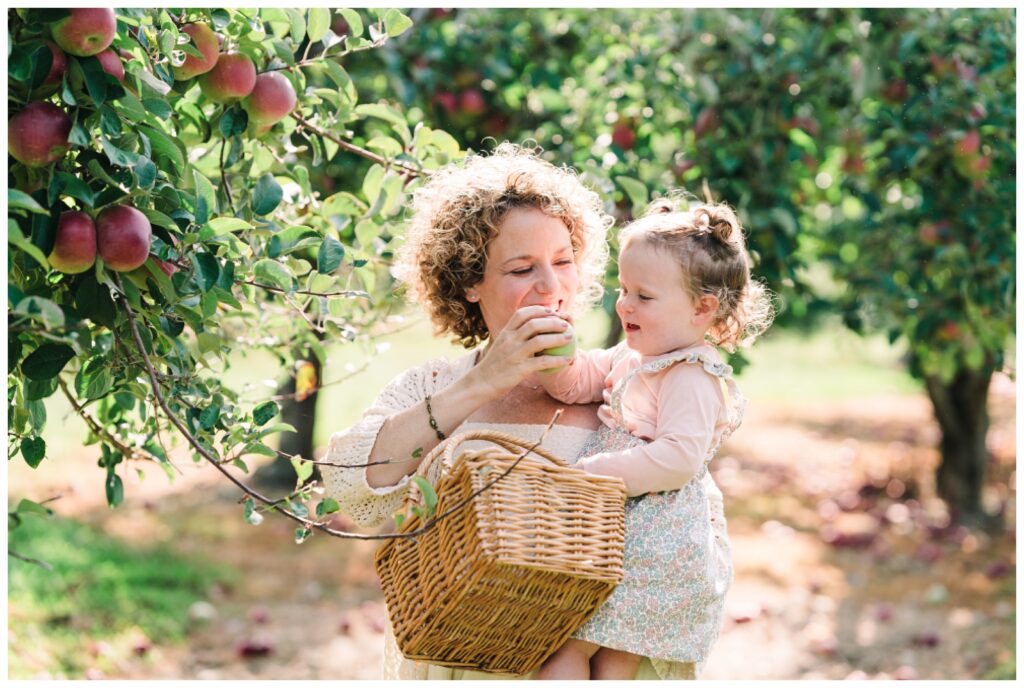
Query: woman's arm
[[505, 363], [396, 425], [689, 406]]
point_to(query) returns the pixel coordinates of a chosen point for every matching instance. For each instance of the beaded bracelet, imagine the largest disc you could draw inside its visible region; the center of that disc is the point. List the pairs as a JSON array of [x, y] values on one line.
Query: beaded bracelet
[[433, 421]]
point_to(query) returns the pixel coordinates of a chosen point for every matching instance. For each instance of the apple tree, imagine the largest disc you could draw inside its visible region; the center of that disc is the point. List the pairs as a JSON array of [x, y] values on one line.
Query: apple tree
[[644, 101], [162, 220], [924, 232]]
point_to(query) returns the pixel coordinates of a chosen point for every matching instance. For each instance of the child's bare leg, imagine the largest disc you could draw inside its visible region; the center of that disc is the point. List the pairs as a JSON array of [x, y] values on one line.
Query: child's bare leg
[[615, 665], [570, 662]]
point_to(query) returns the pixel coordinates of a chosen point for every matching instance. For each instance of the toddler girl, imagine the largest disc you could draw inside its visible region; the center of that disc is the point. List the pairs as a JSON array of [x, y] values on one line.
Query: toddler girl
[[669, 402]]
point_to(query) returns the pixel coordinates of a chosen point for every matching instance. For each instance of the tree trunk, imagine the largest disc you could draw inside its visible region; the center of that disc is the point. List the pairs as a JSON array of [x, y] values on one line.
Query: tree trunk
[[961, 408], [302, 416], [614, 332]]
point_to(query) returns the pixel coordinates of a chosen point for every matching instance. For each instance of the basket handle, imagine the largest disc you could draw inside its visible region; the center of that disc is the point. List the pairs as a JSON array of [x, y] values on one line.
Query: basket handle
[[447, 448]]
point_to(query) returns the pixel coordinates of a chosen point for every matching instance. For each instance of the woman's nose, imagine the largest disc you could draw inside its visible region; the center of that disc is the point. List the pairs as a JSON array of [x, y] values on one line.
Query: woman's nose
[[547, 280]]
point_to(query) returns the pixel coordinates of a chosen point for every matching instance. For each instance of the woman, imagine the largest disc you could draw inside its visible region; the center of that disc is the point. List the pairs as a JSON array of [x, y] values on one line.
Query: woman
[[497, 247]]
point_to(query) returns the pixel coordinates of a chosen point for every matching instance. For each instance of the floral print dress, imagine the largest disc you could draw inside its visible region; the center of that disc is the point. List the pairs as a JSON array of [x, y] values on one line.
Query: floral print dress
[[678, 562]]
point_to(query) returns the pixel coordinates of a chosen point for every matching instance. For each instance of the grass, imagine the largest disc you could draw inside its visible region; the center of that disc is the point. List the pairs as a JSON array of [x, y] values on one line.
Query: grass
[[99, 590]]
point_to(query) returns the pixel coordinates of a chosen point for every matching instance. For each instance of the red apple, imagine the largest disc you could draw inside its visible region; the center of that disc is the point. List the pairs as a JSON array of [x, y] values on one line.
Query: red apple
[[123, 235], [86, 32], [447, 101], [74, 249], [167, 268], [205, 41], [968, 145], [38, 135], [112, 64], [623, 136], [340, 27], [59, 65], [707, 121], [272, 98], [233, 77], [895, 91], [471, 102]]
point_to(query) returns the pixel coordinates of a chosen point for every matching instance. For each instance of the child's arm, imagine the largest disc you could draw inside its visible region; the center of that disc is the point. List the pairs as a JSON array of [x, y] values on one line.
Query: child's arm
[[583, 380], [689, 403]]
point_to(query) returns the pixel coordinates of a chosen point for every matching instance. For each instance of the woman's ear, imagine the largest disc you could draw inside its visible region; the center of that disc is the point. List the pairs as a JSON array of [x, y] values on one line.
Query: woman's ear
[[705, 309], [472, 296]]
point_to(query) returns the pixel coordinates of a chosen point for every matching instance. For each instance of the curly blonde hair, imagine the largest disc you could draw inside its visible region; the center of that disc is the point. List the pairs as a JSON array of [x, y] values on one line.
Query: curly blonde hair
[[707, 241], [457, 213]]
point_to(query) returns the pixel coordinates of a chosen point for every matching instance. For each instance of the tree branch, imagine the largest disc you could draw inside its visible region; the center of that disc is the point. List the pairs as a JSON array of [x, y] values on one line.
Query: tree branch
[[348, 293], [100, 431], [202, 451], [30, 560], [352, 148]]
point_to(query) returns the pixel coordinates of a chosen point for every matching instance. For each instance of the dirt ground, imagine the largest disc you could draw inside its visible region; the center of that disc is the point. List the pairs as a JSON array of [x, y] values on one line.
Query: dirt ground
[[846, 566]]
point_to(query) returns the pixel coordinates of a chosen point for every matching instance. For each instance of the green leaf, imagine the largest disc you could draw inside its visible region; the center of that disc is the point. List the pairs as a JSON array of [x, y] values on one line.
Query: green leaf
[[269, 271], [145, 172], [342, 203], [319, 22], [34, 450], [264, 412], [44, 310], [252, 516], [95, 79], [266, 195], [354, 21], [427, 490], [396, 23], [94, 379], [291, 239], [635, 190], [301, 535], [327, 506], [339, 76], [164, 146], [16, 238], [20, 199], [207, 270], [209, 417], [372, 183], [381, 111], [114, 488], [328, 258], [233, 123], [40, 389], [206, 198], [27, 506], [47, 361], [222, 225], [259, 449], [303, 469], [72, 186]]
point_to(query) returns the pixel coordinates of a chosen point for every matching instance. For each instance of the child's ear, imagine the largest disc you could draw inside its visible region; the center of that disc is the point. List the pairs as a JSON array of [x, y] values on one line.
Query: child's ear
[[705, 309]]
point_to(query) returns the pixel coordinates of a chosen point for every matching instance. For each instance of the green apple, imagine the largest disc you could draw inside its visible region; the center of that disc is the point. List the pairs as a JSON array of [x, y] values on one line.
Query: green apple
[[567, 349]]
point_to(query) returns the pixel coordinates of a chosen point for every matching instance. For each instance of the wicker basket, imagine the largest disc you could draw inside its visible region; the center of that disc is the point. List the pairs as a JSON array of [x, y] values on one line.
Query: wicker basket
[[501, 583]]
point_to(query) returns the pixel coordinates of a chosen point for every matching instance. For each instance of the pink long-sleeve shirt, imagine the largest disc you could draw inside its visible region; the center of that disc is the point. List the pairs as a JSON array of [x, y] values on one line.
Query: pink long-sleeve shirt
[[682, 410]]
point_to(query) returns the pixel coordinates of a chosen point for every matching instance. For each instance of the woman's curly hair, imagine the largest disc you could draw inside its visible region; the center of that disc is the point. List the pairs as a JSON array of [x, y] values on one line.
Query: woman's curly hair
[[457, 213], [707, 241]]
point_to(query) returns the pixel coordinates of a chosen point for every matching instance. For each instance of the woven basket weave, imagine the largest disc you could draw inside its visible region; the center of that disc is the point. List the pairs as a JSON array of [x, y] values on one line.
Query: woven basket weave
[[501, 583]]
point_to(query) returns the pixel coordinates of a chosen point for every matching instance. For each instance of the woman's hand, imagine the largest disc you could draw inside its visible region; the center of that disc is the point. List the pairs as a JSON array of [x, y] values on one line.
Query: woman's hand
[[515, 352]]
